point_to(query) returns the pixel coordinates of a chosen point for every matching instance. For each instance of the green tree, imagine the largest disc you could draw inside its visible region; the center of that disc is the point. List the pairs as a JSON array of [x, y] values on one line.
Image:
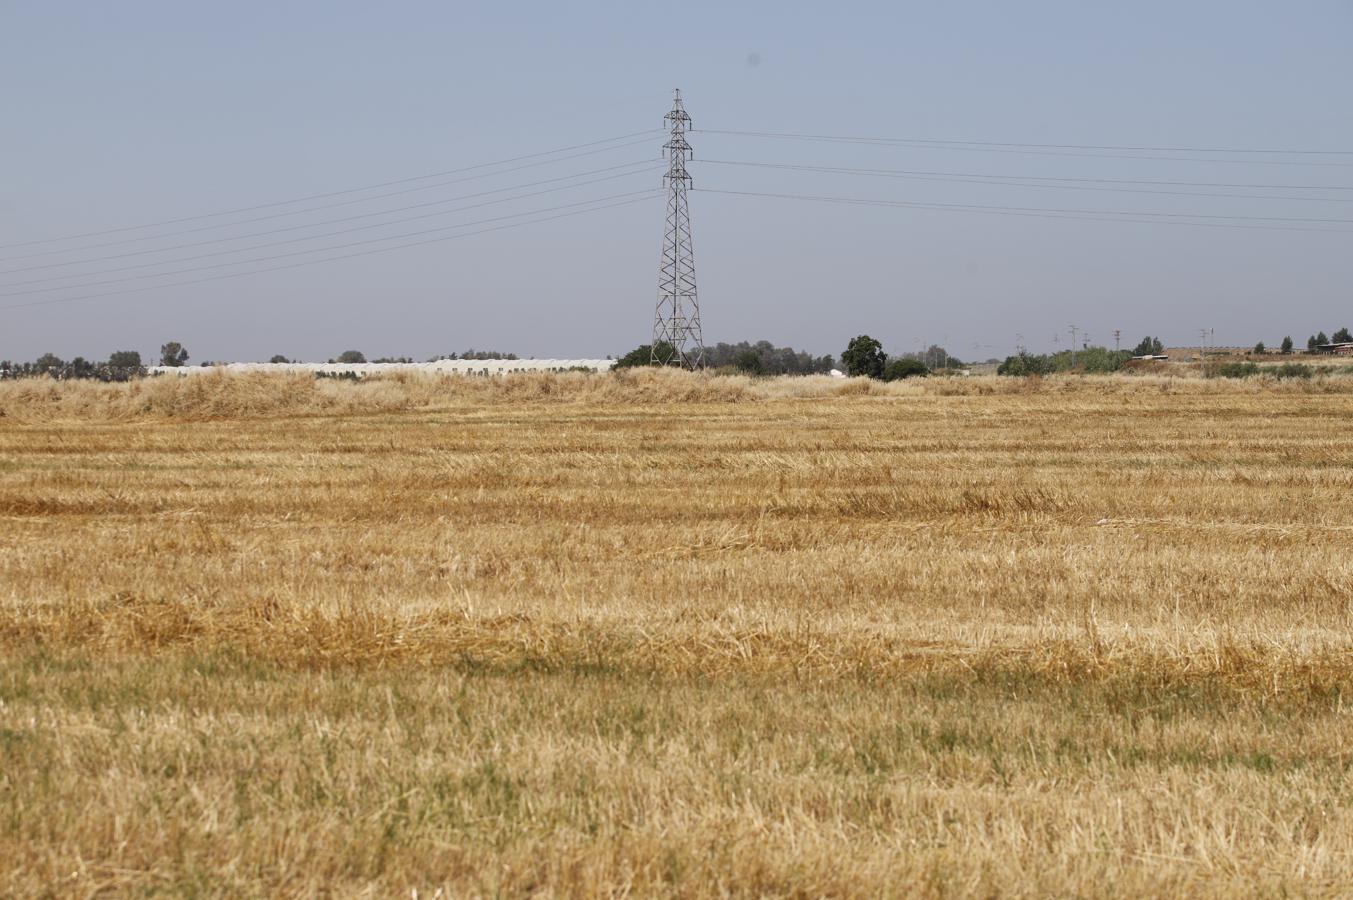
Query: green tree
[[1259, 347], [1311, 344], [644, 354], [125, 359], [352, 357], [777, 360], [49, 364], [123, 365], [1342, 336], [1025, 363], [279, 358], [1321, 339], [750, 361], [1287, 344], [864, 356], [1149, 346], [173, 354], [904, 367]]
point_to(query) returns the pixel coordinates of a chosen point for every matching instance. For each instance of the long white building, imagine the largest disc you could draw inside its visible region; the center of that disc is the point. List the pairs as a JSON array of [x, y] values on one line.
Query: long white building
[[476, 367]]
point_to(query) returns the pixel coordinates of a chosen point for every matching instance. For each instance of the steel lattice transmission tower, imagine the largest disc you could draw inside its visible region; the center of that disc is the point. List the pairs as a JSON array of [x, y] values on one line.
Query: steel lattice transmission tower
[[677, 318]]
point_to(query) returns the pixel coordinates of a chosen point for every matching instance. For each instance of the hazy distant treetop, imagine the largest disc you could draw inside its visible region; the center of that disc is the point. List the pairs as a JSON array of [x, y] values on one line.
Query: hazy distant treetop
[[774, 360], [351, 357], [173, 354], [125, 359], [279, 358]]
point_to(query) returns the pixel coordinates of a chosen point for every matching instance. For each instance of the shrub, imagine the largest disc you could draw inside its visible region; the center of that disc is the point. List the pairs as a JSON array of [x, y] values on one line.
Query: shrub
[[898, 369], [775, 360], [644, 355], [1235, 370], [1024, 363], [1291, 370]]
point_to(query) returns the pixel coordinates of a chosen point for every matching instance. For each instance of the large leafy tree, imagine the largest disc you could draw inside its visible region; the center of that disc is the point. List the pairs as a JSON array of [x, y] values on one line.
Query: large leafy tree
[[864, 356], [1342, 336]]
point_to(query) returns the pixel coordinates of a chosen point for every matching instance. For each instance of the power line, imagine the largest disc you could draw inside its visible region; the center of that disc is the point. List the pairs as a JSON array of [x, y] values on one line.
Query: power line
[[1021, 181], [1037, 146], [297, 212], [1098, 212], [309, 262], [242, 262], [368, 187], [1038, 212], [997, 148], [647, 164]]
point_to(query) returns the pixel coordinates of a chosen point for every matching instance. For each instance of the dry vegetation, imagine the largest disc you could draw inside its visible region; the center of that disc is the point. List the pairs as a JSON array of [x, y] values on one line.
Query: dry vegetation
[[661, 634]]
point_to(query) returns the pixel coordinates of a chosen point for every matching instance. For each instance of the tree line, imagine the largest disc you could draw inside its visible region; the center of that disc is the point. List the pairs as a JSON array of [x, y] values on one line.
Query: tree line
[[760, 358], [121, 365], [863, 357]]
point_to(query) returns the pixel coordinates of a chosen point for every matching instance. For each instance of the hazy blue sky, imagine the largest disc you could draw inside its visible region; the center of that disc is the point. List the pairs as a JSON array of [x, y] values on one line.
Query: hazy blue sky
[[126, 113]]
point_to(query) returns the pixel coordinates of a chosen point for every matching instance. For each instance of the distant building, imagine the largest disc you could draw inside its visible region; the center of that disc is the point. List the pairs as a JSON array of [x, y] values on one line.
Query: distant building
[[480, 367], [1344, 349]]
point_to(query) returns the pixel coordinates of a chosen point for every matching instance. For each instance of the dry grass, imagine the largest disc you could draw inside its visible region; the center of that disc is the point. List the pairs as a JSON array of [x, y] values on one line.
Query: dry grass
[[659, 634]]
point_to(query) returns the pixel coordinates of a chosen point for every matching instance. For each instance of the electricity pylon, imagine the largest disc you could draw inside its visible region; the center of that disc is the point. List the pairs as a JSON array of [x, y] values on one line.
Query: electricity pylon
[[676, 321]]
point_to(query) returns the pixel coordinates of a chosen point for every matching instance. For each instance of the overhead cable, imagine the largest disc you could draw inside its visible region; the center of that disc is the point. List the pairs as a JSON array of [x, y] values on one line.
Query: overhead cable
[[1026, 149], [345, 191], [1039, 212], [241, 262], [1037, 146], [645, 195], [1034, 181], [628, 169]]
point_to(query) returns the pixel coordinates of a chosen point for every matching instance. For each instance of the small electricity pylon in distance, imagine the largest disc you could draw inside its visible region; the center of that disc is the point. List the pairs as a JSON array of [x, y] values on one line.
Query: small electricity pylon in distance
[[676, 321]]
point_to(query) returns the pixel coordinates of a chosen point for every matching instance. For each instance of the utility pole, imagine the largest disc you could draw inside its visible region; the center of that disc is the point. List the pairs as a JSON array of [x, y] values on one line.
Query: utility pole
[[676, 320], [1073, 330], [1202, 350], [1116, 335]]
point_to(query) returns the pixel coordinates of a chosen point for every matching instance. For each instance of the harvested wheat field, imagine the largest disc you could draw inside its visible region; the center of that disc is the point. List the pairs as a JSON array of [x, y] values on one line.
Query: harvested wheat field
[[660, 634]]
